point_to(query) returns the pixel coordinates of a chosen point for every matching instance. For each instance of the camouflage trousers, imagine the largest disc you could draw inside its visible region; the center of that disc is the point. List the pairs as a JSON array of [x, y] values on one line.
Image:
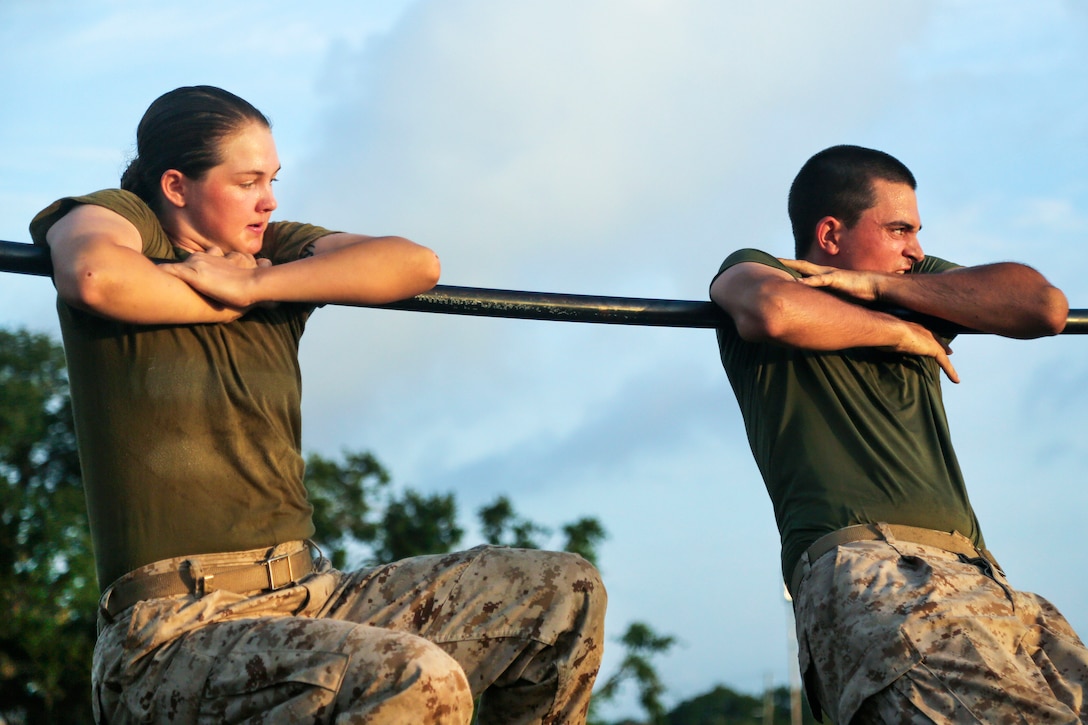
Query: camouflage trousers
[[894, 632], [410, 642]]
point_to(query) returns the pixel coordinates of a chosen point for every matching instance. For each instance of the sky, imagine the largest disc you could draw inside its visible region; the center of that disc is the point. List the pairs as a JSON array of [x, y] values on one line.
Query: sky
[[612, 147]]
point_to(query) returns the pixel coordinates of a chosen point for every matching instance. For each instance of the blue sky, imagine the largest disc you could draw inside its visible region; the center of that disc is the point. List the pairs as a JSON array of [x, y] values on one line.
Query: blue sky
[[617, 147]]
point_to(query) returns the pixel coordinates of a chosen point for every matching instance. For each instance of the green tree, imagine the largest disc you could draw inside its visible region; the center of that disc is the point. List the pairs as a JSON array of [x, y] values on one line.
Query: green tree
[[418, 524], [356, 509], [724, 706], [502, 526], [720, 706], [641, 644], [347, 497], [48, 590], [584, 536]]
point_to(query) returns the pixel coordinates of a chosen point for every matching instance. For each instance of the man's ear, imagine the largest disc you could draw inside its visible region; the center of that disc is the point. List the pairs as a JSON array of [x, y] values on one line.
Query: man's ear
[[828, 233], [173, 186]]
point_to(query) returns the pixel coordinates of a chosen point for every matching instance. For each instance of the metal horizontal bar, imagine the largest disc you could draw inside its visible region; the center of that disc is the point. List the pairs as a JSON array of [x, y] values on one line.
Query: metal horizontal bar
[[483, 302], [24, 259]]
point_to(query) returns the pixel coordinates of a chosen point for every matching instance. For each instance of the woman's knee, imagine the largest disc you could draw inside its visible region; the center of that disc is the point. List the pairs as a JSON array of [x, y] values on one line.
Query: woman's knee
[[408, 679], [580, 582]]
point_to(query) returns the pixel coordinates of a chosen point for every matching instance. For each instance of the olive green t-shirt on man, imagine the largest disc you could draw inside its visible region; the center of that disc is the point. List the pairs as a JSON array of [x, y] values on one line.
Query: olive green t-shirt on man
[[848, 437], [189, 435]]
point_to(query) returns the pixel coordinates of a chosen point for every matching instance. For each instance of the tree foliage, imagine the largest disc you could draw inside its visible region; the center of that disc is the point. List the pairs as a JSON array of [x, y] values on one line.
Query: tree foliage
[[724, 706], [346, 497], [641, 644], [359, 517], [584, 536], [48, 590], [502, 526], [417, 524]]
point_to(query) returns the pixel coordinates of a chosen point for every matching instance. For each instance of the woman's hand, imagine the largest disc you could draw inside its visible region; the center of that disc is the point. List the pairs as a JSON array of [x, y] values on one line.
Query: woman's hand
[[229, 279]]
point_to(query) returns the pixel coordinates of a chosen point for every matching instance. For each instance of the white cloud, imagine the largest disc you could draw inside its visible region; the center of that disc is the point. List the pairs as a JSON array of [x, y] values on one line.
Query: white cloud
[[544, 131]]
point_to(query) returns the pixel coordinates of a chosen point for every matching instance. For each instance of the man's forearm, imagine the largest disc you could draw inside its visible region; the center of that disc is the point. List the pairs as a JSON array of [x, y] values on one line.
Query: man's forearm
[[781, 310], [768, 305], [1005, 298]]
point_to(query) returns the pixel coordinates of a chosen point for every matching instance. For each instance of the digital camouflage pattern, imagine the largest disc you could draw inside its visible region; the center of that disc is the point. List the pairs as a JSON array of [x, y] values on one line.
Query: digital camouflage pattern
[[893, 632], [410, 642]]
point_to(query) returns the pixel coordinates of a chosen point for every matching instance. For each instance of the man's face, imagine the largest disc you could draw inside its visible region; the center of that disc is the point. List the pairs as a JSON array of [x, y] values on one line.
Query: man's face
[[885, 237]]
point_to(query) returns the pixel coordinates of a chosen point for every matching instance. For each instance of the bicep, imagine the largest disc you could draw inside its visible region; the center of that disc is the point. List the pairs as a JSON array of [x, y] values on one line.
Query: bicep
[[88, 227], [85, 243], [735, 289], [768, 304]]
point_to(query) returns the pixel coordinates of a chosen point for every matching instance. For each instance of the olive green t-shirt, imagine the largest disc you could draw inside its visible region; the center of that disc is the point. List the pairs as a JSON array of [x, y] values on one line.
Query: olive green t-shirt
[[189, 435], [847, 437]]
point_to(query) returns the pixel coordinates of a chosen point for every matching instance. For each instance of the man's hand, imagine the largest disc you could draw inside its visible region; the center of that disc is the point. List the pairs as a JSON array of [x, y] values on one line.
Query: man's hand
[[918, 340], [868, 287], [863, 286]]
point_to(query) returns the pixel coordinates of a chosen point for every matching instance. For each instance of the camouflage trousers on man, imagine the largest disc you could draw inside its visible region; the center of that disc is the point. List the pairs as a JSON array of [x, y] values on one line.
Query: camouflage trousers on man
[[414, 642], [894, 632]]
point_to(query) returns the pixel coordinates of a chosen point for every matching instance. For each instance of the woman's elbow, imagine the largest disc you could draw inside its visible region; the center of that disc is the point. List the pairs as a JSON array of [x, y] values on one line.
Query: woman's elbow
[[84, 287], [422, 270], [431, 268]]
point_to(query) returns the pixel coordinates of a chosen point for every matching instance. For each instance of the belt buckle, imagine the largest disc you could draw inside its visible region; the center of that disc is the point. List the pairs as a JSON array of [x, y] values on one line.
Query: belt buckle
[[272, 585]]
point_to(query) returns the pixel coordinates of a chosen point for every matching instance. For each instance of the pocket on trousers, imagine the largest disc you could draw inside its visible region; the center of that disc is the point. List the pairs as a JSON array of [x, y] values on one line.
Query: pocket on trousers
[[280, 685]]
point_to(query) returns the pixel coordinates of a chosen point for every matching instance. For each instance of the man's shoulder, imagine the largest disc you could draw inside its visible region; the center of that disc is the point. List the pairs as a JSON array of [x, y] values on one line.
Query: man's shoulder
[[933, 265], [757, 256], [750, 255]]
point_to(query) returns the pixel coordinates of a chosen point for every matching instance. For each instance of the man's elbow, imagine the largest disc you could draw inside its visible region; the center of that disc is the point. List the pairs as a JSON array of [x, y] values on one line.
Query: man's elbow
[[1054, 312], [1046, 314]]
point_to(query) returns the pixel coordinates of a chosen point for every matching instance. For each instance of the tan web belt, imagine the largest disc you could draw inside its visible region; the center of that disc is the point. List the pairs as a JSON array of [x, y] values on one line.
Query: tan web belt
[[954, 542], [270, 574]]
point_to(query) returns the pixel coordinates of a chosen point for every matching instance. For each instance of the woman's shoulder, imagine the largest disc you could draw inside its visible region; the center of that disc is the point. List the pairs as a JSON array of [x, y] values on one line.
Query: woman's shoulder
[[286, 241], [121, 202]]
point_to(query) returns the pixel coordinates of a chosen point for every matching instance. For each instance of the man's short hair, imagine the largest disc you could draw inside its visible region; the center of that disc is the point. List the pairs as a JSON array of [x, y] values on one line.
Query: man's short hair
[[838, 182]]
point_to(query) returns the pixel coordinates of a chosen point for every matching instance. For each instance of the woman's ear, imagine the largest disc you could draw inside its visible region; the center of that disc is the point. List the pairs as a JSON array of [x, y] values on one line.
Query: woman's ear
[[173, 187]]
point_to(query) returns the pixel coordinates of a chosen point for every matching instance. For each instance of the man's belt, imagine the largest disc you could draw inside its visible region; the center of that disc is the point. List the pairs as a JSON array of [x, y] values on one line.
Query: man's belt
[[272, 573], [954, 542]]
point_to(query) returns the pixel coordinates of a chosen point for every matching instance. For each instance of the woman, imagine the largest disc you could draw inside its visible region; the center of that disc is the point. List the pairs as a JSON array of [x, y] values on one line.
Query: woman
[[181, 308]]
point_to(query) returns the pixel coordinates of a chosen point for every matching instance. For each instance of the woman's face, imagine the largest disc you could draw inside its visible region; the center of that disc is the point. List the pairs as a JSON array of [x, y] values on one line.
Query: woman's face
[[230, 206]]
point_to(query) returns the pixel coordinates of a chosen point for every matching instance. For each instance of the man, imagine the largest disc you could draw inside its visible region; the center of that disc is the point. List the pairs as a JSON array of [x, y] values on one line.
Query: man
[[902, 613]]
